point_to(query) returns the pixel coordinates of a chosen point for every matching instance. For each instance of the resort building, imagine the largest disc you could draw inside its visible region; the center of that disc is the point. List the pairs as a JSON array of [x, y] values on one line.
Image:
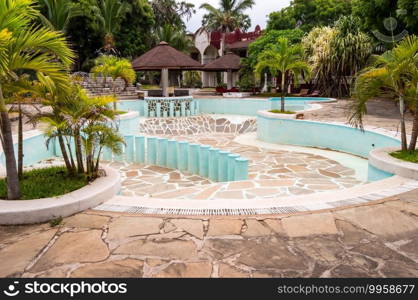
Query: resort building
[[208, 46]]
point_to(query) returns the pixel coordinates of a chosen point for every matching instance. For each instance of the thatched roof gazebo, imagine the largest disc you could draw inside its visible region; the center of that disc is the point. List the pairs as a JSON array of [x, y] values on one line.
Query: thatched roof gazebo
[[164, 58], [228, 63]]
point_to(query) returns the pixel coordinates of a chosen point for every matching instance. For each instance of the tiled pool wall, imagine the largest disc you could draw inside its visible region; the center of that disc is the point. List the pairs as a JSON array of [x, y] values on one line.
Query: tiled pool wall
[[197, 159], [324, 135], [34, 149], [246, 107]]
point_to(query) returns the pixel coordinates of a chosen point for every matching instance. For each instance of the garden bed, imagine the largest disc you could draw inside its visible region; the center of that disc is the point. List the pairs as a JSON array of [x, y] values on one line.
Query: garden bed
[[41, 210], [45, 183]]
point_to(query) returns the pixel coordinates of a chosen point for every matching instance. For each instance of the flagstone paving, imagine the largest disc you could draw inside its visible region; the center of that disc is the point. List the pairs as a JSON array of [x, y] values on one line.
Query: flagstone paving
[[377, 240], [271, 174]]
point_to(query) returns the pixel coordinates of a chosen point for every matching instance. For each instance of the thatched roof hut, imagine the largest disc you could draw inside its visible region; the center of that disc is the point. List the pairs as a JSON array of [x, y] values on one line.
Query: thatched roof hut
[[164, 56], [227, 62]]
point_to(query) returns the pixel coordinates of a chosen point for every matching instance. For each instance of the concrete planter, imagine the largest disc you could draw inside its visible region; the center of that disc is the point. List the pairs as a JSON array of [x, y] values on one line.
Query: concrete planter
[[381, 159], [278, 115], [42, 210]]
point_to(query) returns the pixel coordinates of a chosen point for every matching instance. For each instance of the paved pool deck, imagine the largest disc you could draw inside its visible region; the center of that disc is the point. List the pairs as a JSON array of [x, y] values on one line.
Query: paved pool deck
[[376, 240]]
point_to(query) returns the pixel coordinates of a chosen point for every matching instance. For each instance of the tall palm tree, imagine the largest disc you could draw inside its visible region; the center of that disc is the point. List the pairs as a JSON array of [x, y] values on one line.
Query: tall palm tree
[[394, 73], [24, 47], [285, 60], [229, 16], [110, 14], [58, 13]]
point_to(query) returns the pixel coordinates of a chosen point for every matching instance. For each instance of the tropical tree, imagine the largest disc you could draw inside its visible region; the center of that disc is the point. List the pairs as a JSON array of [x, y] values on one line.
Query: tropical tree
[[24, 47], [19, 91], [284, 60], [109, 15], [306, 15], [58, 13], [228, 17], [86, 124], [172, 12], [174, 37], [133, 38], [394, 73], [337, 54], [268, 39], [114, 67]]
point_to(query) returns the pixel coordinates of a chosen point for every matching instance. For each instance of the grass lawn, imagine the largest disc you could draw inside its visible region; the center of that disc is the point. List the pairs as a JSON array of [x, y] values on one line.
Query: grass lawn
[[278, 111], [45, 183], [406, 155]]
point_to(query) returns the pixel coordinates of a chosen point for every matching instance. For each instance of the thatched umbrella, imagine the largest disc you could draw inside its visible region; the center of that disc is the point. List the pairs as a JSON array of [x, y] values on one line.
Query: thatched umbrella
[[227, 63], [164, 58]]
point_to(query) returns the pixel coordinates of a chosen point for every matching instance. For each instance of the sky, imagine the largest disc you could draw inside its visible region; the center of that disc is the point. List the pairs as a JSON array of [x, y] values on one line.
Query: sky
[[258, 13]]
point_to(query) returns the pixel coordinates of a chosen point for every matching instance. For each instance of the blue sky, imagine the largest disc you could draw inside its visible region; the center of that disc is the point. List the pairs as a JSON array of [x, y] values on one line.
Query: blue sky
[[258, 13]]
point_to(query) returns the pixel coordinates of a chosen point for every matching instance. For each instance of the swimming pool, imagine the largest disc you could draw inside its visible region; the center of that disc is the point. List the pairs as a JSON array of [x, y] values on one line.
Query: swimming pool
[[241, 106]]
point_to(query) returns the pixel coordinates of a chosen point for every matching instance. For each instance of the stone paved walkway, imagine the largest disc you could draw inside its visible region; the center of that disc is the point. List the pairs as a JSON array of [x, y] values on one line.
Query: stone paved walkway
[[379, 240]]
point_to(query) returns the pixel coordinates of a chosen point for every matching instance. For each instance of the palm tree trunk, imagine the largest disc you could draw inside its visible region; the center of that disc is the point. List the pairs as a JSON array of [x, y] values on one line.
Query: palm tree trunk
[[64, 154], [403, 127], [20, 144], [70, 152], [283, 92], [96, 167], [114, 94], [13, 187], [78, 154], [414, 135]]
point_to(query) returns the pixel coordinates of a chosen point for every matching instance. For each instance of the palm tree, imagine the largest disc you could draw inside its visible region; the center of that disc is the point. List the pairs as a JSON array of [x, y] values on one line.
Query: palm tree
[[283, 59], [115, 67], [90, 125], [229, 16], [174, 37], [58, 13], [172, 12], [394, 73], [110, 14], [82, 121], [24, 47]]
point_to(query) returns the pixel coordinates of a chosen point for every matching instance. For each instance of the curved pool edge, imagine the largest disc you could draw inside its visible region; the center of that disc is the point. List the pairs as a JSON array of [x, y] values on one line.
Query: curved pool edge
[[381, 159], [359, 195], [18, 212]]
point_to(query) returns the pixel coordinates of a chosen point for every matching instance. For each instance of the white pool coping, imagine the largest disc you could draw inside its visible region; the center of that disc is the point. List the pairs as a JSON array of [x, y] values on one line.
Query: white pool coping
[[358, 195], [14, 212], [381, 159]]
